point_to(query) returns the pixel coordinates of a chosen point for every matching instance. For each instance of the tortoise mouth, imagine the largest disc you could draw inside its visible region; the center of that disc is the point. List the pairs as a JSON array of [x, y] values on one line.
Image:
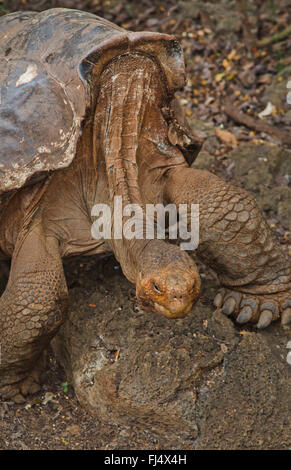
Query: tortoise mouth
[[173, 313]]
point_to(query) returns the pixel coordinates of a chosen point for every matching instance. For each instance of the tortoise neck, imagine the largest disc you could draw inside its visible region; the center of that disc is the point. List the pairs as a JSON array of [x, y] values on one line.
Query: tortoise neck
[[127, 86]]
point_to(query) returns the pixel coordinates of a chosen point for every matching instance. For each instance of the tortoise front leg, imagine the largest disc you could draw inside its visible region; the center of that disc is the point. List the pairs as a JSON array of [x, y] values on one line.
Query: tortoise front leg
[[32, 308], [236, 241]]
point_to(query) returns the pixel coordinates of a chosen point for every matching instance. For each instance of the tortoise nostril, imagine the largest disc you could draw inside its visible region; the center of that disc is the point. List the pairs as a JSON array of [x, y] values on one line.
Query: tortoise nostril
[[178, 297]]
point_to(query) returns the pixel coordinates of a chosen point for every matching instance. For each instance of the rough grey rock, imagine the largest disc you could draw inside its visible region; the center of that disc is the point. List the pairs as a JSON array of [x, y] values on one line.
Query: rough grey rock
[[265, 171], [277, 91], [204, 160], [193, 383]]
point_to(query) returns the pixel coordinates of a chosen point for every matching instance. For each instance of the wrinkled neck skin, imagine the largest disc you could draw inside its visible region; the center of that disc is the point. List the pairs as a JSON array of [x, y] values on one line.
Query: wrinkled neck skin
[[131, 138]]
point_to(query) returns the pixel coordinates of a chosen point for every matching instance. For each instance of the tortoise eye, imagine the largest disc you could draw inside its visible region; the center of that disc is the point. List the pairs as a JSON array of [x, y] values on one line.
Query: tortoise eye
[[156, 289]]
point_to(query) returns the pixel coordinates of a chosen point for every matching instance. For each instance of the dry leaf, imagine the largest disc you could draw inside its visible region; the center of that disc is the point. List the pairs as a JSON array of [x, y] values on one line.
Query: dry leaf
[[232, 54], [219, 77], [226, 137], [269, 109]]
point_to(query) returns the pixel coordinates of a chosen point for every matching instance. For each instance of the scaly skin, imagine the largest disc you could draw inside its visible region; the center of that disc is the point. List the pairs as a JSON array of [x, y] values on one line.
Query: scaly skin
[[32, 307], [236, 241]]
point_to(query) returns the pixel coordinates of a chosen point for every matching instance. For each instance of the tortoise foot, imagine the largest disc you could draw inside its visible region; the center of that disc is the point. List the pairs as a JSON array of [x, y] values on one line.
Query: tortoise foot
[[260, 310], [20, 390]]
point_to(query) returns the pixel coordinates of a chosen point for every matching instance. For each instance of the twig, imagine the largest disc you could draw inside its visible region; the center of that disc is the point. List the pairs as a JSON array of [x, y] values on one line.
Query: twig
[[256, 123], [275, 37]]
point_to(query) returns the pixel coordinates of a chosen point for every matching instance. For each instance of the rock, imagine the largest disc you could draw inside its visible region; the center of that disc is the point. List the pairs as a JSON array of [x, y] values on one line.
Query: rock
[[245, 407], [223, 15], [265, 171], [203, 126], [271, 198], [276, 92], [284, 211], [204, 161], [192, 383]]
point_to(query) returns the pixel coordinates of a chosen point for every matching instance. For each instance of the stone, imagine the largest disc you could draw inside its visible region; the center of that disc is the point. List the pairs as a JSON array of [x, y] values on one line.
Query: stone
[[192, 383]]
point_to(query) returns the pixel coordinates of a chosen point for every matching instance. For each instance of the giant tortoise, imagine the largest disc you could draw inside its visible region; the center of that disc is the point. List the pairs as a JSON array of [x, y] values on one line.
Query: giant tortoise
[[88, 113]]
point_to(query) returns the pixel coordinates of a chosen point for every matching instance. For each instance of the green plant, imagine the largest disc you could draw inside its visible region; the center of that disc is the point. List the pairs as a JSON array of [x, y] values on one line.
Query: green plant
[[65, 386]]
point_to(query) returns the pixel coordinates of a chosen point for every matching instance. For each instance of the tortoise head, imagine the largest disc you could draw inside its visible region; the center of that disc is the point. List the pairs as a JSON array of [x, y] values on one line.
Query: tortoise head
[[168, 282]]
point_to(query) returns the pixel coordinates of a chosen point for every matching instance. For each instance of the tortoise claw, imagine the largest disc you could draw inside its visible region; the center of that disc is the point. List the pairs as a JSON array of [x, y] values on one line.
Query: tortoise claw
[[229, 306], [218, 300], [286, 316], [245, 315], [265, 319], [259, 310]]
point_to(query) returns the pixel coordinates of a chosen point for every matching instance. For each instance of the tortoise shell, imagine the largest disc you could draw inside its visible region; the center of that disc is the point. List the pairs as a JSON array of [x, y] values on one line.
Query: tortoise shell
[[52, 61]]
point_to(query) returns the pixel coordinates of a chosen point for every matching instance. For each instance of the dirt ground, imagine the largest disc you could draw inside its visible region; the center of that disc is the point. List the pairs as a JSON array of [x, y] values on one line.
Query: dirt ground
[[223, 58]]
